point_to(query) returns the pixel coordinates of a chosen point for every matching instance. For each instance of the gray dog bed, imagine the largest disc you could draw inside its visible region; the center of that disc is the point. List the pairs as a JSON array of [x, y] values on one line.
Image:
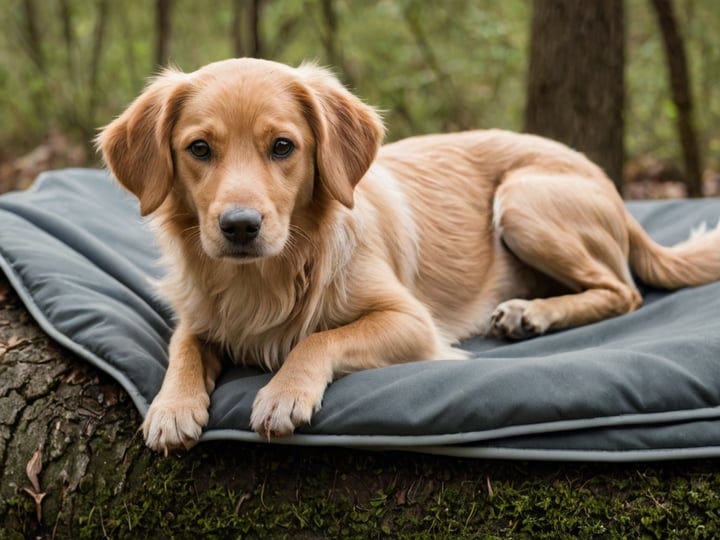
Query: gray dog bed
[[644, 386]]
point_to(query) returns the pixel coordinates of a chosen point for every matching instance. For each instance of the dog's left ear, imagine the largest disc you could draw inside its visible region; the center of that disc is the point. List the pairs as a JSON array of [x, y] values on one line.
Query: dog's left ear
[[347, 132]]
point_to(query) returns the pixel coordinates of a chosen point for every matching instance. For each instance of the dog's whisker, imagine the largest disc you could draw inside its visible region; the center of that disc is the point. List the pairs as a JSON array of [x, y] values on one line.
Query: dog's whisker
[[193, 229], [297, 232], [291, 251]]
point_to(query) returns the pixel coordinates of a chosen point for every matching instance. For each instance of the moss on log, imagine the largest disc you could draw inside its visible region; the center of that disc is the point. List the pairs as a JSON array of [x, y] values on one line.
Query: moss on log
[[91, 477]]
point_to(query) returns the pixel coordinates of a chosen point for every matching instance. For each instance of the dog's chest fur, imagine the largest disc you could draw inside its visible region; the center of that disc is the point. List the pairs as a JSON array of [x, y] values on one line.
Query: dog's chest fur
[[259, 311]]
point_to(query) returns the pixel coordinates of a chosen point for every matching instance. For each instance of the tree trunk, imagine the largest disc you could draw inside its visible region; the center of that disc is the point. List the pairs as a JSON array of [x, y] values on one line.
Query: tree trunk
[[32, 35], [245, 33], [68, 37], [69, 440], [74, 466], [681, 94], [79, 426], [97, 51], [163, 10], [331, 43], [575, 78], [36, 82], [256, 42], [330, 33], [126, 27], [236, 32]]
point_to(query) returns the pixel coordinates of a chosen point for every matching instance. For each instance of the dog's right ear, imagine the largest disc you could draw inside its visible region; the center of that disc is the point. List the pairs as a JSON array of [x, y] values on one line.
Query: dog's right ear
[[136, 145]]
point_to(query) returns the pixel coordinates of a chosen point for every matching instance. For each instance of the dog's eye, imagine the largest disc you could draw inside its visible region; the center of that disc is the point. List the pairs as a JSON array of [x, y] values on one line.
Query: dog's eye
[[200, 150], [282, 148]]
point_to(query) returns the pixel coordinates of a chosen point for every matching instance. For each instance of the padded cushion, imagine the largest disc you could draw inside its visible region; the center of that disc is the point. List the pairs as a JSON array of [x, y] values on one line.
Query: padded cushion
[[642, 386]]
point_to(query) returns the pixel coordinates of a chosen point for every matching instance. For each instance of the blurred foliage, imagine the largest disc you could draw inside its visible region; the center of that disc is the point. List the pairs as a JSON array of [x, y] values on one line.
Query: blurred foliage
[[430, 65], [650, 114]]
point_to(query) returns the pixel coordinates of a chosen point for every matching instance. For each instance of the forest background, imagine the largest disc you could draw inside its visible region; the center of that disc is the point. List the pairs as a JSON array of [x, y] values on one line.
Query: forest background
[[70, 66]]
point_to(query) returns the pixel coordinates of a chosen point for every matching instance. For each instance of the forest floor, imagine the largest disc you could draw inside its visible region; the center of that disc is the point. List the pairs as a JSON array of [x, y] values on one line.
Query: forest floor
[[230, 489]]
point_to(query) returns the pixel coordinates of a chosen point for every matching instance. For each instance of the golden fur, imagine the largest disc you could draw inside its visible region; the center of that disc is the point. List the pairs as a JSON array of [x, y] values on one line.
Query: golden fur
[[366, 256]]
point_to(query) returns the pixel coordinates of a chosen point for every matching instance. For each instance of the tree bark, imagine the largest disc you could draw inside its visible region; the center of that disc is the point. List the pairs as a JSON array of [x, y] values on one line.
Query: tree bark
[[163, 27], [246, 32], [575, 78], [331, 42], [236, 33], [136, 80], [32, 35], [679, 77], [74, 466], [97, 52], [330, 33], [69, 440], [256, 42], [68, 36], [79, 425]]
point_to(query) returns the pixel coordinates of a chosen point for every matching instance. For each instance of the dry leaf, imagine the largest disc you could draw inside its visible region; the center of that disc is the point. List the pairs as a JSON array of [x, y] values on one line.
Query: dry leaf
[[16, 341], [33, 469], [77, 376], [38, 497]]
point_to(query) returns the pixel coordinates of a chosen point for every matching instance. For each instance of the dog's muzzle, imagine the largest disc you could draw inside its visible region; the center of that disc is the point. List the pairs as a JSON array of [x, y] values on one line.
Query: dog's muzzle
[[240, 225]]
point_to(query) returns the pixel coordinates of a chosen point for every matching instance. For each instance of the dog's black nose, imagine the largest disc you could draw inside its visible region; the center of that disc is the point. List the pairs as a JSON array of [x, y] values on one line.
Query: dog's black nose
[[240, 225]]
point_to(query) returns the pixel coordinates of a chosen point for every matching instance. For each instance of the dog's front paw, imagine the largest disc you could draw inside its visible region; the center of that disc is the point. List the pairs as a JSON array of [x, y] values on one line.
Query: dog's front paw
[[518, 319], [281, 406], [175, 421]]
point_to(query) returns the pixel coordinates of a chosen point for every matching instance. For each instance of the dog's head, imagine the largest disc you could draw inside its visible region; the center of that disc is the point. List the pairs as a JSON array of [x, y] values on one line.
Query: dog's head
[[243, 146]]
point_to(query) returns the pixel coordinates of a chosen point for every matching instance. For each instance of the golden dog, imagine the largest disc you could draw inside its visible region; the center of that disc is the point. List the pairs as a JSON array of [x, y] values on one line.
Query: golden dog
[[294, 242]]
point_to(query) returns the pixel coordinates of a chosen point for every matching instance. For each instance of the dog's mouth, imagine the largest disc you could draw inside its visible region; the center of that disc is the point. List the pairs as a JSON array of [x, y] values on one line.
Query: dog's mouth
[[237, 253], [241, 256], [229, 251]]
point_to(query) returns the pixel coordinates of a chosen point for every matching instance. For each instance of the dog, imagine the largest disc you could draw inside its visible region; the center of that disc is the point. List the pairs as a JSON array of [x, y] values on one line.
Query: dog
[[295, 242]]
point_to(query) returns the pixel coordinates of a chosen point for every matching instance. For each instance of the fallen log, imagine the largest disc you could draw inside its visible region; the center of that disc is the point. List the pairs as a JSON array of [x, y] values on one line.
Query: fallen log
[[74, 466]]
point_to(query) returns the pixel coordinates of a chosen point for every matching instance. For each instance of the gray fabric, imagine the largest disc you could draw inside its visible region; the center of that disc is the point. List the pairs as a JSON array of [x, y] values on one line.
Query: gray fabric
[[642, 386]]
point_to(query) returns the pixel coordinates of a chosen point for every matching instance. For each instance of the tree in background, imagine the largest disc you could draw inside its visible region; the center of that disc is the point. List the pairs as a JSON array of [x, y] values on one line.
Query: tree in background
[[575, 88], [246, 32], [681, 94], [237, 35], [32, 34], [163, 12], [68, 66]]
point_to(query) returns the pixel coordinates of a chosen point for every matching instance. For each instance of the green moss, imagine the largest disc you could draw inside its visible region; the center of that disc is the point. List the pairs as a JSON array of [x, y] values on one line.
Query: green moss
[[223, 490], [230, 490]]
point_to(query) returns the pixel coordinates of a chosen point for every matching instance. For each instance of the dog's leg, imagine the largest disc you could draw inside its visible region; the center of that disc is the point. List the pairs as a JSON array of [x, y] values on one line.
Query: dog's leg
[[399, 331], [572, 230], [180, 410]]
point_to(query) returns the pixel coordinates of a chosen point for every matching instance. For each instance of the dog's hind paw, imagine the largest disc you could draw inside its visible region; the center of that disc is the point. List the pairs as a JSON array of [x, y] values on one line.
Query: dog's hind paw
[[515, 319]]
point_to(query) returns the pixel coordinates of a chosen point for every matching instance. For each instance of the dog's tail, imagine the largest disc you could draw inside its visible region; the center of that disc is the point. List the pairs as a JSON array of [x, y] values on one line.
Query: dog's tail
[[695, 261]]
